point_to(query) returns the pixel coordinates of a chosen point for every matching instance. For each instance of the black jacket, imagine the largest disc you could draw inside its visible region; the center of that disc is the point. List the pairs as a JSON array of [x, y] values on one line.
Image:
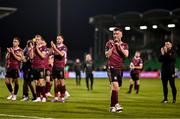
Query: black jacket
[[77, 67], [168, 62]]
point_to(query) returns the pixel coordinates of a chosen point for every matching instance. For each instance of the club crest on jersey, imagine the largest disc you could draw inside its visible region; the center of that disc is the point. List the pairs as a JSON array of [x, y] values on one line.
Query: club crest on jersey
[[115, 78]]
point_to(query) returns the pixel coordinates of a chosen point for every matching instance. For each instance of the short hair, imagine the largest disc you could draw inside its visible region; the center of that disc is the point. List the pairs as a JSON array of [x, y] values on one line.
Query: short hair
[[138, 51], [60, 36], [168, 40], [39, 36], [118, 29], [17, 38], [29, 41]]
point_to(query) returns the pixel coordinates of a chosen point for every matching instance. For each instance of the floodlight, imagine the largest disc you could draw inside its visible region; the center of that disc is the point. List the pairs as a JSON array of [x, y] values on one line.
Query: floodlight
[[111, 28], [127, 28], [143, 27], [171, 25], [154, 26]]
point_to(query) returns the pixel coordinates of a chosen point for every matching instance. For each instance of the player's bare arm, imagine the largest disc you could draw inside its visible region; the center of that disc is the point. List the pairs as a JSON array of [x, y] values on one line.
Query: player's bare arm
[[138, 67], [120, 49], [31, 51], [8, 53], [61, 53], [17, 56], [42, 54], [108, 53], [131, 66], [162, 51]]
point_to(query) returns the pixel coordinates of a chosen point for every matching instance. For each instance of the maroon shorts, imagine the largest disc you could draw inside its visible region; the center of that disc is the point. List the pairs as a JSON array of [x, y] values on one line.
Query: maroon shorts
[[12, 73], [58, 73], [134, 75], [115, 75], [38, 73]]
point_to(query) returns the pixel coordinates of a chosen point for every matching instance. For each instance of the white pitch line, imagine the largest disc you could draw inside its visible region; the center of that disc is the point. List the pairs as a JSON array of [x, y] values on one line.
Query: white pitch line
[[21, 116]]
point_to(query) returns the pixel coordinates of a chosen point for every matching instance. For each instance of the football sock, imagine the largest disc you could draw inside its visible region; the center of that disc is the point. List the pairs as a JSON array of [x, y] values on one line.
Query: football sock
[[38, 91], [9, 86], [56, 90], [130, 88], [62, 90], [48, 86], [137, 89], [135, 85], [114, 98], [16, 87], [43, 91]]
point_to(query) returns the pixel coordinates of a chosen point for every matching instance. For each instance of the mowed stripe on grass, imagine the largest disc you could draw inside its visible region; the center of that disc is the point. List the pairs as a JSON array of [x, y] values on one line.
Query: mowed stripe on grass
[[95, 104]]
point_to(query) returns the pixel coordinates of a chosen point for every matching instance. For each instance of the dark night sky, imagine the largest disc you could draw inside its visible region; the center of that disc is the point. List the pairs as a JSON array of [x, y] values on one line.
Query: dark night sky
[[39, 17]]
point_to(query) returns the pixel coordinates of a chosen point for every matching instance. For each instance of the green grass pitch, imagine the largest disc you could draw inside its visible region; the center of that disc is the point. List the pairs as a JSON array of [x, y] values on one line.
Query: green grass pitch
[[95, 104]]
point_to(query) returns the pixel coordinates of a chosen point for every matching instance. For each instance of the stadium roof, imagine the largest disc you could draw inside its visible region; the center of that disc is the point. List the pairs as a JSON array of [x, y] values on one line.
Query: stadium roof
[[150, 17], [6, 11]]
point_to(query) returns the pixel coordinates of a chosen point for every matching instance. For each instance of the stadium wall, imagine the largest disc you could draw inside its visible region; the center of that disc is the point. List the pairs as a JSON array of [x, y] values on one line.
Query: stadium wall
[[103, 74], [126, 74]]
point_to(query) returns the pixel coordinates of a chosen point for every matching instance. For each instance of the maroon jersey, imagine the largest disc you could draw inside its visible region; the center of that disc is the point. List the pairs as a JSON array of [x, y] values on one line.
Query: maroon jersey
[[12, 62], [59, 61], [137, 62], [37, 61], [116, 60]]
